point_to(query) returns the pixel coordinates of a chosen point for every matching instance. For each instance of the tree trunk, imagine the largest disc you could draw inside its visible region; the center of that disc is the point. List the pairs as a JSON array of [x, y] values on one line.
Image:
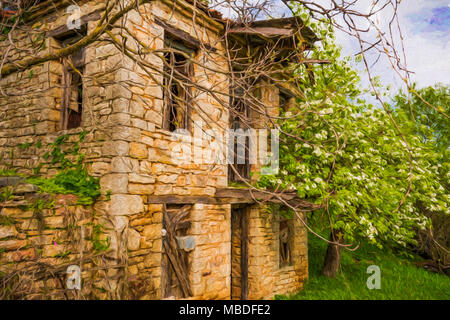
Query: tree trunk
[[333, 257]]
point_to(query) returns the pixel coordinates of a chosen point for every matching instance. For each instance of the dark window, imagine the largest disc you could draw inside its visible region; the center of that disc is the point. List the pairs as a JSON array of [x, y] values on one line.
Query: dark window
[[72, 81], [177, 92], [285, 243], [239, 119], [284, 101]]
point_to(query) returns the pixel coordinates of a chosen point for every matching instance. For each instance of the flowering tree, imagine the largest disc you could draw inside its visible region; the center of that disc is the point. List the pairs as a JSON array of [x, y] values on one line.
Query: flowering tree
[[367, 171]]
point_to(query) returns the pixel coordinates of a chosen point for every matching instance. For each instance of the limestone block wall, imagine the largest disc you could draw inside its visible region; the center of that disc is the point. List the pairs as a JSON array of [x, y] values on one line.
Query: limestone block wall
[[151, 164], [31, 99], [31, 104], [26, 132], [59, 233], [151, 168], [144, 250], [54, 231], [210, 262]]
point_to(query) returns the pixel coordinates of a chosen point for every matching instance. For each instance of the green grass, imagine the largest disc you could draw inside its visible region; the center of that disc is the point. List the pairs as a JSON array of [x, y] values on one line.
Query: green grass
[[400, 278]]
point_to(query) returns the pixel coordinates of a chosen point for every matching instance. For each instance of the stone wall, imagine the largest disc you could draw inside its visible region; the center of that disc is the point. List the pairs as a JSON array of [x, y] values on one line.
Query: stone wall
[[151, 168], [124, 146], [210, 262], [38, 230]]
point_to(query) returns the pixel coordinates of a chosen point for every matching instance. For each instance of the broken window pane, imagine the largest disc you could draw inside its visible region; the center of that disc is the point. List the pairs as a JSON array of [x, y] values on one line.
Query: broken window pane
[[72, 81], [239, 119], [177, 93]]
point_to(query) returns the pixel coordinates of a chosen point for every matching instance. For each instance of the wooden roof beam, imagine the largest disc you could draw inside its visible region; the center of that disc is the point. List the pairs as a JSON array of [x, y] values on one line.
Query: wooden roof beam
[[264, 31], [234, 196]]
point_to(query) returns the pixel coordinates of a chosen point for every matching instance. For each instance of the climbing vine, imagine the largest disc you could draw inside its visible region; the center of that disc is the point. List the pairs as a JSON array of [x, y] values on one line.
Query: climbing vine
[[73, 177]]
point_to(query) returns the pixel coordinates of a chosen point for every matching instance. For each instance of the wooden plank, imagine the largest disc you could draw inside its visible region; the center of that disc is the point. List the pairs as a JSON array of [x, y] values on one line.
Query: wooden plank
[[315, 61], [184, 36], [235, 196], [66, 95], [175, 199], [264, 31], [165, 280], [254, 194], [244, 252], [177, 266]]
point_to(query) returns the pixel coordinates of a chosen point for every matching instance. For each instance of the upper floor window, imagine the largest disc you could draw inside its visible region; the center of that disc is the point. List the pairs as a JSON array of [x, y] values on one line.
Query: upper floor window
[[239, 122], [177, 95]]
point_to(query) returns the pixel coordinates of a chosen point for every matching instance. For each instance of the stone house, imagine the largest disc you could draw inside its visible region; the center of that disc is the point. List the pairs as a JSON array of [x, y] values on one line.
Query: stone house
[[180, 227]]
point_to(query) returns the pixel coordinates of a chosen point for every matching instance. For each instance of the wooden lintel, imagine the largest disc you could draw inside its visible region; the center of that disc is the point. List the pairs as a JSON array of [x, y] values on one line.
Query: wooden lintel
[[229, 196], [315, 61], [184, 36], [62, 30], [264, 31], [254, 195], [175, 199]]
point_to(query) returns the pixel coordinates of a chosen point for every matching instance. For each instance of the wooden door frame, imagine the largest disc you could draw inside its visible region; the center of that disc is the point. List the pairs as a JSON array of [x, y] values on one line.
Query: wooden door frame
[[242, 213]]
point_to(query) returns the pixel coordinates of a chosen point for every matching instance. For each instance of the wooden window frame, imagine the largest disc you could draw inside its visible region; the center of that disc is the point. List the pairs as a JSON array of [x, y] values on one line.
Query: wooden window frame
[[177, 92], [240, 113], [72, 68]]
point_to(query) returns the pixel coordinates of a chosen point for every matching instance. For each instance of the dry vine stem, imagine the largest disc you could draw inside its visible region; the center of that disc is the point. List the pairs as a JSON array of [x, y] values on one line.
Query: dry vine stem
[[248, 70]]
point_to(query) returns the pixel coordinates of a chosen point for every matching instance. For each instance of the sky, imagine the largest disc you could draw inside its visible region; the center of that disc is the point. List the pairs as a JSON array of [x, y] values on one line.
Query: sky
[[426, 30], [427, 39]]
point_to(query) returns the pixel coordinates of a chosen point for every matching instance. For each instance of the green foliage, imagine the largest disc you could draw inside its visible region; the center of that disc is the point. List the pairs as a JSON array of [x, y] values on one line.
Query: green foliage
[[347, 154], [6, 221], [40, 204], [400, 278], [70, 181], [280, 209], [428, 121], [63, 254], [8, 172], [24, 146], [432, 127], [98, 243], [5, 194]]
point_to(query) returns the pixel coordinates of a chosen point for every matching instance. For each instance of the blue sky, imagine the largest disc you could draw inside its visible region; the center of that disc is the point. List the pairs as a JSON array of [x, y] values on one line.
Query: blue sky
[[432, 20], [426, 26], [426, 30]]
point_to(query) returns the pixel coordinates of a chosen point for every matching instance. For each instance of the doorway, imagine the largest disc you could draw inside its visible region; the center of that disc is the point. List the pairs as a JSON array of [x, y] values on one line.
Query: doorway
[[174, 265]]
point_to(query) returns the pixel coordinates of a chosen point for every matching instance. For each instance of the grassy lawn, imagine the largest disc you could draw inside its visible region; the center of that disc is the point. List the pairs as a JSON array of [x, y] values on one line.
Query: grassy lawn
[[400, 279]]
